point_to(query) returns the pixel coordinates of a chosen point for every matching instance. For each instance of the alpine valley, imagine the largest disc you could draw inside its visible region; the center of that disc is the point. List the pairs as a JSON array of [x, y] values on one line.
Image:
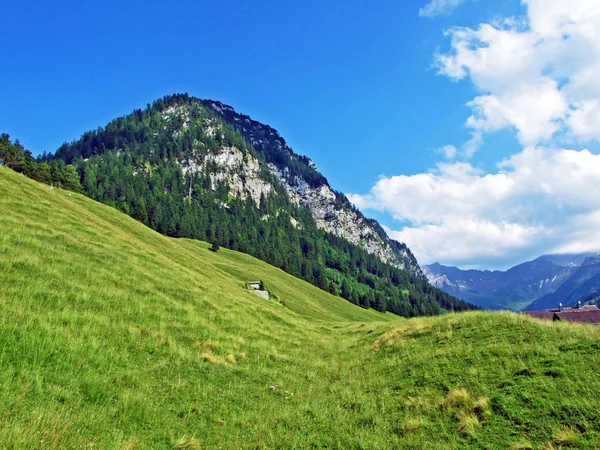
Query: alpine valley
[[118, 331]]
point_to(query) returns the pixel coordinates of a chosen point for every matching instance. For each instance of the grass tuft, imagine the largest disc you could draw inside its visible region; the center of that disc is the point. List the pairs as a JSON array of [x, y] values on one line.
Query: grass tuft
[[468, 423], [482, 408], [187, 444], [458, 398], [412, 425], [523, 444], [568, 436]]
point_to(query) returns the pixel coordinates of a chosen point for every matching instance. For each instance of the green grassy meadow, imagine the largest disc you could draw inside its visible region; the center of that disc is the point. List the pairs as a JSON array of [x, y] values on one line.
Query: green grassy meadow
[[113, 336]]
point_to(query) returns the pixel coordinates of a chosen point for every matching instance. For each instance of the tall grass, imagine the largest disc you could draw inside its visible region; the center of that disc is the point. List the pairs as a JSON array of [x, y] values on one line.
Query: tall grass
[[113, 336]]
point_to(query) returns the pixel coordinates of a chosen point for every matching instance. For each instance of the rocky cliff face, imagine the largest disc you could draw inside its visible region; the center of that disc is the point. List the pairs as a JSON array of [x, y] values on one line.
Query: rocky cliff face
[[239, 171], [344, 222], [306, 187], [243, 173]]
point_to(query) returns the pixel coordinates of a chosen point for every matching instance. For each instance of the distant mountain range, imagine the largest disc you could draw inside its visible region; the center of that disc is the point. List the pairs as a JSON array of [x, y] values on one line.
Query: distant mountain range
[[583, 285], [538, 284]]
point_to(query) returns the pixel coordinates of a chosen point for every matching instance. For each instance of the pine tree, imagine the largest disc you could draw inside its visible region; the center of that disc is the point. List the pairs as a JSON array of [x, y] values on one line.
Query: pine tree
[[345, 289], [140, 212]]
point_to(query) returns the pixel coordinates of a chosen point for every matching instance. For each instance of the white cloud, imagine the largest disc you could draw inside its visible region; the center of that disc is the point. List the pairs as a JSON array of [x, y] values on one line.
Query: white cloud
[[439, 7], [538, 201], [584, 121], [537, 74], [534, 110], [467, 242], [449, 151], [472, 145]]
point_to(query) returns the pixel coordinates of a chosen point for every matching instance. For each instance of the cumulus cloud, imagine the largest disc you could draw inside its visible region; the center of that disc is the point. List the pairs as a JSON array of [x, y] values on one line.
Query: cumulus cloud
[[439, 7], [470, 147], [537, 74], [449, 151], [541, 200]]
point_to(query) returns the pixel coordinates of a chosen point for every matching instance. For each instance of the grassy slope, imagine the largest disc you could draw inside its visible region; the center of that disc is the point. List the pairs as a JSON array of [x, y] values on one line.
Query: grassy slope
[[113, 336]]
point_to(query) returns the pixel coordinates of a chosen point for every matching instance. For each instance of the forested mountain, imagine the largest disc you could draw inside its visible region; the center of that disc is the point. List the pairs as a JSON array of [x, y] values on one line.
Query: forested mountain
[[515, 288], [196, 168]]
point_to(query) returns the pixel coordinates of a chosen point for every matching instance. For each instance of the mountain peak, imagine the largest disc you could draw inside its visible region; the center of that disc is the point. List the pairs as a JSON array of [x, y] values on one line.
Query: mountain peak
[[305, 185], [197, 168]]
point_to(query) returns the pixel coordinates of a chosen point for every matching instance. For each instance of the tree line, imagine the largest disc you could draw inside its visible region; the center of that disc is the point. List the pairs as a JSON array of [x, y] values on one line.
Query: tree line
[[55, 172]]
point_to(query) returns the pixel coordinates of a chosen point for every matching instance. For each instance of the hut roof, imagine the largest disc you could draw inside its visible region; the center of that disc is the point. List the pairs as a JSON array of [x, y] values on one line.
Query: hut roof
[[541, 314], [582, 315], [548, 314]]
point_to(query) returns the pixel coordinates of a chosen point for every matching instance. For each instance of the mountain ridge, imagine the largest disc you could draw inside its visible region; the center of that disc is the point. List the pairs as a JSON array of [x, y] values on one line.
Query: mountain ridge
[[583, 285], [515, 288]]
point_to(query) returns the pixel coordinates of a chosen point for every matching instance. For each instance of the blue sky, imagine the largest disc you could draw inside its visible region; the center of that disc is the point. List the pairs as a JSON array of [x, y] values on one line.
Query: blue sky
[[358, 88], [338, 82]]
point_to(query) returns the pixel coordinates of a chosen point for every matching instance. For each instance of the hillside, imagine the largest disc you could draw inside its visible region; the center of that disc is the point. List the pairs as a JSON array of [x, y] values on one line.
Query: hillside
[[115, 336], [197, 169], [514, 289]]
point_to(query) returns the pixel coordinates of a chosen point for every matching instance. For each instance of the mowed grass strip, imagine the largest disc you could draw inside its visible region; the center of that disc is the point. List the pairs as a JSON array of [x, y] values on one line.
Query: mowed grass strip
[[113, 336]]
